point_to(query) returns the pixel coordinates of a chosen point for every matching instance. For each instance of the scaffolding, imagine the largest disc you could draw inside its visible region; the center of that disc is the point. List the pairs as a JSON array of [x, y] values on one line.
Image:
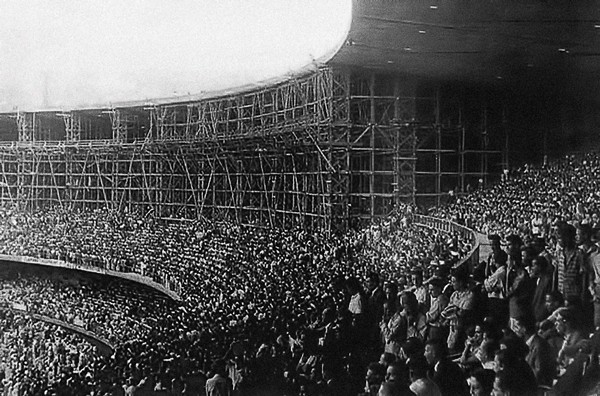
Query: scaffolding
[[323, 151]]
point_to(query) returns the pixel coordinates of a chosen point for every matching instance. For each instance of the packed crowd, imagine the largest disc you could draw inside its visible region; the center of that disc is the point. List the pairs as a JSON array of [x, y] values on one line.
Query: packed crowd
[[242, 286], [113, 312], [38, 358], [530, 199], [311, 314]]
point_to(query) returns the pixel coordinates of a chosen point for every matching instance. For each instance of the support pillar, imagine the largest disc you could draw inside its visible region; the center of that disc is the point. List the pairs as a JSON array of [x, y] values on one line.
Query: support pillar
[[26, 126], [405, 159], [72, 127], [119, 125]]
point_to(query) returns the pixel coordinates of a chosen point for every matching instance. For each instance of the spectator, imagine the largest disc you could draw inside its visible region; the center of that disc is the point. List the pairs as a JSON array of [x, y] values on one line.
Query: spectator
[[415, 320], [591, 255], [395, 382], [219, 384], [394, 332], [437, 328], [570, 329], [540, 273], [481, 382], [458, 311], [539, 357], [376, 374], [496, 286], [445, 373], [569, 263], [421, 385]]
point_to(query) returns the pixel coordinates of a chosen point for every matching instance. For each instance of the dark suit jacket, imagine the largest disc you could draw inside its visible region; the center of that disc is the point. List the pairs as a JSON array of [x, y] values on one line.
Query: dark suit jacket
[[571, 381], [376, 298], [521, 295], [450, 379], [541, 359], [538, 303]]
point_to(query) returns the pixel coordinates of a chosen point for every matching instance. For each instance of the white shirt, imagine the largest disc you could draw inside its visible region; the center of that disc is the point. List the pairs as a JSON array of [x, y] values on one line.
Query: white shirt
[[355, 305]]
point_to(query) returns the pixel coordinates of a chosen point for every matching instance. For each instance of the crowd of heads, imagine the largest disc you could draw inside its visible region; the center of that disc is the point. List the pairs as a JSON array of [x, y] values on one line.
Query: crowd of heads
[[385, 310], [530, 200], [253, 288], [38, 358]]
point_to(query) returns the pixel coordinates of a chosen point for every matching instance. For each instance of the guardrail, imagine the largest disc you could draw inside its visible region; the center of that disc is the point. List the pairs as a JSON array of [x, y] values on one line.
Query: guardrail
[[73, 328], [132, 276], [448, 226]]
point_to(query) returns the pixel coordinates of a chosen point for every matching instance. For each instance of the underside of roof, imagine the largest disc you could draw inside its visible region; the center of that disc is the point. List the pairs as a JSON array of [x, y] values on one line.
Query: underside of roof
[[489, 41], [521, 45]]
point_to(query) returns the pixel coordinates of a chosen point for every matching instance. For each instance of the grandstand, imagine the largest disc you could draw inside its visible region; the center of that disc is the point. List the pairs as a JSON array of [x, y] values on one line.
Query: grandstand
[[348, 138], [256, 208]]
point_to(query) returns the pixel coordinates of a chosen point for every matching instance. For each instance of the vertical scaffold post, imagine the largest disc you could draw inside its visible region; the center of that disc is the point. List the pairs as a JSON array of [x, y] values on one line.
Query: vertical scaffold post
[[485, 145], [438, 148], [372, 129], [26, 126], [119, 125], [72, 127]]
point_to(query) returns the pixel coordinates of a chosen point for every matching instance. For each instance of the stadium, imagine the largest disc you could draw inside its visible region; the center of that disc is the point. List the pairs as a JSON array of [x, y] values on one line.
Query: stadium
[[414, 212]]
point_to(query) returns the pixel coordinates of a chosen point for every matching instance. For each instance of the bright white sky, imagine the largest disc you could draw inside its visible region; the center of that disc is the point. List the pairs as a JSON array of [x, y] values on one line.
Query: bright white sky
[[63, 53]]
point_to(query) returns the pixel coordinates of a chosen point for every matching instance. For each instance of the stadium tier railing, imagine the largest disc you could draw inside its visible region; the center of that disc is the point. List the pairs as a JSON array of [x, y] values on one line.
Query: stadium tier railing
[[131, 276], [18, 307], [472, 257]]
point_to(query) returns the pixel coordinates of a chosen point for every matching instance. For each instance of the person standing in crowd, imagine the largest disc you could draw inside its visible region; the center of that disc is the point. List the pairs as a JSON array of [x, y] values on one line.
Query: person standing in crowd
[[419, 289], [569, 263], [539, 244], [520, 287], [591, 259], [376, 300], [542, 278], [390, 307], [416, 325], [458, 310], [376, 297], [437, 328], [219, 384], [495, 285], [357, 306], [393, 331], [492, 259]]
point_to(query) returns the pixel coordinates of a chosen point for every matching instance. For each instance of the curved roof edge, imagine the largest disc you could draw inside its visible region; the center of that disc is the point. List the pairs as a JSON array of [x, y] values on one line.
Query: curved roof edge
[[209, 95]]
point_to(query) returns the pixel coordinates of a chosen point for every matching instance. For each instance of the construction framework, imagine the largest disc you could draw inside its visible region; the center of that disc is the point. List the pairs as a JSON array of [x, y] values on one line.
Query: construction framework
[[325, 150]]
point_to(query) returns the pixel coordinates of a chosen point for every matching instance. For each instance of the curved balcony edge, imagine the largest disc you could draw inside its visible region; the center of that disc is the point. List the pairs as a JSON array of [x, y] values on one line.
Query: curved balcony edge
[[131, 276], [472, 256], [104, 344]]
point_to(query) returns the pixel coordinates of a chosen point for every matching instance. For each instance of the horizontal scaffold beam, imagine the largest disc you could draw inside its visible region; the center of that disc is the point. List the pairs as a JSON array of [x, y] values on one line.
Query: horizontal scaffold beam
[[322, 151]]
